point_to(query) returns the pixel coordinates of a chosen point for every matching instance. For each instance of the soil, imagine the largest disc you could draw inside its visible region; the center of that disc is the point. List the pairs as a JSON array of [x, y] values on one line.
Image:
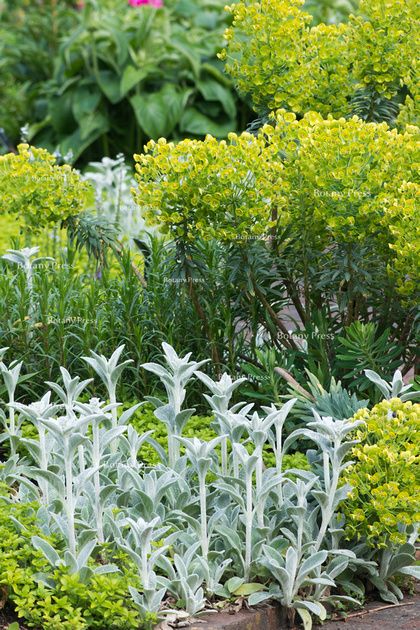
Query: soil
[[375, 616], [381, 616]]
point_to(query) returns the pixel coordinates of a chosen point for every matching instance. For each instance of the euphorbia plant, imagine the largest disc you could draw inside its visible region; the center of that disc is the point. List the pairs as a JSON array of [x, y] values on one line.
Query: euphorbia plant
[[33, 185]]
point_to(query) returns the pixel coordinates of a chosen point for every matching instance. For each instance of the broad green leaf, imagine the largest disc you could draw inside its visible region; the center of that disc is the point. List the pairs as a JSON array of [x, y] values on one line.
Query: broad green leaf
[[85, 102], [413, 571], [195, 122], [249, 588], [53, 479], [234, 583], [159, 113], [212, 90], [109, 83], [257, 598], [131, 77], [312, 563], [93, 123], [60, 112], [77, 144]]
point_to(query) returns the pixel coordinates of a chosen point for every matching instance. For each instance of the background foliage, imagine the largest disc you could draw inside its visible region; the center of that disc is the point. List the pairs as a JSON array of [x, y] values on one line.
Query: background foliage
[[103, 79]]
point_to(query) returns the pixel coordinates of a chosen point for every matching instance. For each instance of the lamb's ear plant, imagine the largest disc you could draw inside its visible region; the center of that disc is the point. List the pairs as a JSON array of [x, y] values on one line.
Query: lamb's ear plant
[[75, 564], [234, 425], [222, 391], [258, 431], [68, 432], [393, 561], [174, 378], [102, 440], [248, 464], [11, 377], [330, 437], [69, 395], [146, 495], [132, 442], [40, 449], [109, 371], [278, 417], [394, 389], [138, 545], [186, 580], [200, 453], [293, 576], [302, 582]]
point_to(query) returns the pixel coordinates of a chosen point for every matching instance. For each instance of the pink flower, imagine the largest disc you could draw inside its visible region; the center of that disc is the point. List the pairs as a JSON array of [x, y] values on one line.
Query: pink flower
[[152, 3]]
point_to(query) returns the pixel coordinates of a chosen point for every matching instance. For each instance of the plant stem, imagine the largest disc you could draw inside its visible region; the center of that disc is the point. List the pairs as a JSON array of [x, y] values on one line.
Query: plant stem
[[12, 424], [43, 464], [279, 458], [69, 496], [328, 513], [258, 487], [248, 528], [114, 413], [224, 457], [203, 516], [97, 482]]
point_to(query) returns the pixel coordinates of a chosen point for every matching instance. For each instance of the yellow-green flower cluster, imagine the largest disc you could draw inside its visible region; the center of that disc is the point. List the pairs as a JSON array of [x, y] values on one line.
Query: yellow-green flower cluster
[[346, 181], [330, 181], [275, 55], [35, 187], [210, 189], [385, 475], [382, 44]]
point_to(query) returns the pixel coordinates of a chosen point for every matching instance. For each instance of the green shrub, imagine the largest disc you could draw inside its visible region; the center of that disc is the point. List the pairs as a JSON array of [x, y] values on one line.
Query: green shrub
[[385, 474], [30, 34], [113, 76], [364, 66], [103, 603], [32, 184]]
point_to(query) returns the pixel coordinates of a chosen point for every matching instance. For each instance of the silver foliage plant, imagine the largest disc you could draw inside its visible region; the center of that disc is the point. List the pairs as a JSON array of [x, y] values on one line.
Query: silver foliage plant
[[210, 520]]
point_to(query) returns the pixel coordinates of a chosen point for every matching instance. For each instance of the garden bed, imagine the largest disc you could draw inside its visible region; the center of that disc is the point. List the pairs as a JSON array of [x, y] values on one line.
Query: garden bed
[[405, 616]]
